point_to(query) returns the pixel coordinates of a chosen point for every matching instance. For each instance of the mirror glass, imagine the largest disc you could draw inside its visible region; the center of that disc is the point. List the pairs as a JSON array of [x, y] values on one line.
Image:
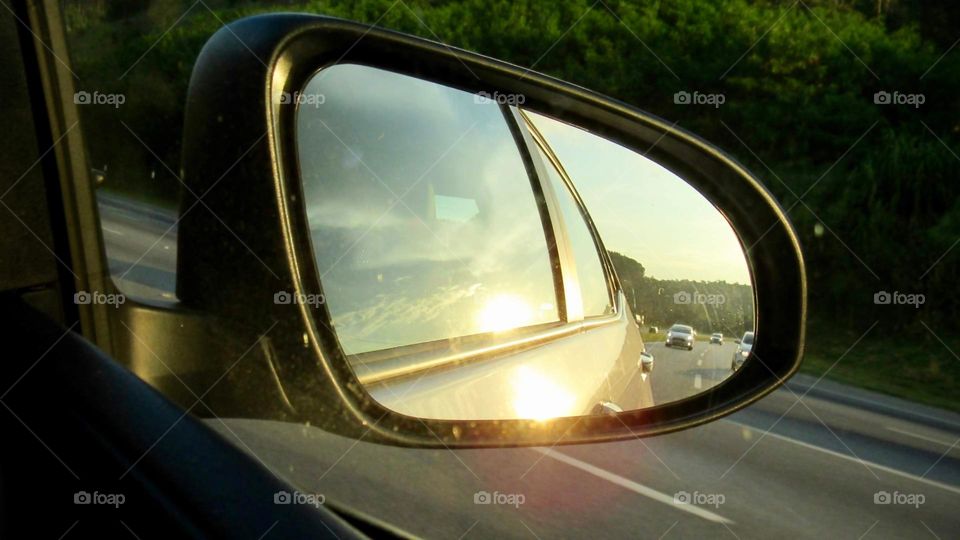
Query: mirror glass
[[479, 260]]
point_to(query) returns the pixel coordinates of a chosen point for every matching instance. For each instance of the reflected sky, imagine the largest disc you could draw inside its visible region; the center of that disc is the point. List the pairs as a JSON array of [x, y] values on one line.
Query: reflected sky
[[646, 212], [422, 217]]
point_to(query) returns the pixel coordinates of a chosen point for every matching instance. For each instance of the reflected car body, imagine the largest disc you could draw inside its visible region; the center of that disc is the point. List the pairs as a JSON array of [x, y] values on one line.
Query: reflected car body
[[680, 335], [567, 376], [472, 326], [742, 352]]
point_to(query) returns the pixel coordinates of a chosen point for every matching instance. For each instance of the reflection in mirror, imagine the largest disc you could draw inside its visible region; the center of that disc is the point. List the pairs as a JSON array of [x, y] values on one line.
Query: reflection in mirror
[[479, 261], [680, 264]]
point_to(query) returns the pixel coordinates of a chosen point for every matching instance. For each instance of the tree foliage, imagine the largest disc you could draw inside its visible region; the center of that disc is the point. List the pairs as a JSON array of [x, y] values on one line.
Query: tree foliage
[[872, 188]]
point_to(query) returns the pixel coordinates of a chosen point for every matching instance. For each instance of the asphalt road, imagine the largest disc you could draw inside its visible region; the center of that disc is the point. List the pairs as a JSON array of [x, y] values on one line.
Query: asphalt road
[[679, 373], [815, 459], [802, 479]]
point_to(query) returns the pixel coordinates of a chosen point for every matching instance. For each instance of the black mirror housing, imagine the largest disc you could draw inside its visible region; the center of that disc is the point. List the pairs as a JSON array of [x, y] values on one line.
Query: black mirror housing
[[244, 236]]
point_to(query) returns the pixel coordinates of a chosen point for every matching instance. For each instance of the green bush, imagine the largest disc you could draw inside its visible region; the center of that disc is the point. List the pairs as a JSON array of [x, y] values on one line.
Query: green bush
[[799, 85]]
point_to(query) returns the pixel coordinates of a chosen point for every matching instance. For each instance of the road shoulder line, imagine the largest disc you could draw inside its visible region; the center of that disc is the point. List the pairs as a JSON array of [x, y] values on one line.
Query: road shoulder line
[[633, 486]]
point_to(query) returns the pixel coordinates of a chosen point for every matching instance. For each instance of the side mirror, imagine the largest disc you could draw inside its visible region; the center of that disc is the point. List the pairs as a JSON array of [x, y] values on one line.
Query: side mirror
[[419, 241], [646, 362]]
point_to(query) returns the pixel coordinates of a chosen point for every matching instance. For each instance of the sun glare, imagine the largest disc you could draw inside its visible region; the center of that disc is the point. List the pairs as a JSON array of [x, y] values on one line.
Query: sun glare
[[539, 398], [504, 312]]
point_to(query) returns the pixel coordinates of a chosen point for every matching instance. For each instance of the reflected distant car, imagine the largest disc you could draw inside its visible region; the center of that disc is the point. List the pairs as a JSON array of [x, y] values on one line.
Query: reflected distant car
[[680, 335], [717, 338], [743, 351]]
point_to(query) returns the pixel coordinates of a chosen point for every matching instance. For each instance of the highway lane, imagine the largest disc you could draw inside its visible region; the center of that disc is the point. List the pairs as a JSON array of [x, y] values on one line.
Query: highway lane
[[752, 483], [679, 373], [795, 464]]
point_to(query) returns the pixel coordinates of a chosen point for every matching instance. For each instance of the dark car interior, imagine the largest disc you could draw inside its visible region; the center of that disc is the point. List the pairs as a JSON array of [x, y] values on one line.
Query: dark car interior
[[427, 277], [76, 420]]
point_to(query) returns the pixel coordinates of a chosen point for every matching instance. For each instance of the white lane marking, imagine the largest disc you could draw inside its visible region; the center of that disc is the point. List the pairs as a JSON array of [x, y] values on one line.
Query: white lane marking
[[700, 362], [112, 231], [698, 382], [633, 486], [918, 436], [868, 464]]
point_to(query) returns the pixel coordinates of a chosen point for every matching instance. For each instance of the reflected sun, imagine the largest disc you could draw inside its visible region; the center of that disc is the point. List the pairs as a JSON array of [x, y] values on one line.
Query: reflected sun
[[539, 398], [504, 312]]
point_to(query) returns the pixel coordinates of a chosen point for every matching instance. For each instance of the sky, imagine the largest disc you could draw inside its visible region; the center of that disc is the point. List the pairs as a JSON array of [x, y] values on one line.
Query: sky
[[645, 211]]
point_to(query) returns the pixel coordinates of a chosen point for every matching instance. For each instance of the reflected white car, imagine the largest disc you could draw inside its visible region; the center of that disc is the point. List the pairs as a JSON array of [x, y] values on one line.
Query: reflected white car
[[680, 335], [743, 351]]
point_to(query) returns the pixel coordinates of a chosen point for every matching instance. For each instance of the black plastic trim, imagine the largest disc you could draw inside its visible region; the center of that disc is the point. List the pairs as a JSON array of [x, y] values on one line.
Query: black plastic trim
[[234, 100]]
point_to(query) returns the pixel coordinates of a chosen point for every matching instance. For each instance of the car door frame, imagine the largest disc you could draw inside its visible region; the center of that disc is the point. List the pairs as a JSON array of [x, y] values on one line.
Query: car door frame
[[386, 372]]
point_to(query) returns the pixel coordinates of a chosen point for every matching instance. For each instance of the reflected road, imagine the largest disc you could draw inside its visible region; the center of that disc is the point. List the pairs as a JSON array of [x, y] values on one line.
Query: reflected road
[[679, 373]]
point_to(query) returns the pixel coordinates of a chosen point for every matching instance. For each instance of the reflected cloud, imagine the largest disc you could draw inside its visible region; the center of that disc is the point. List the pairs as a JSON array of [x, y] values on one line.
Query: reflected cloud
[[465, 230]]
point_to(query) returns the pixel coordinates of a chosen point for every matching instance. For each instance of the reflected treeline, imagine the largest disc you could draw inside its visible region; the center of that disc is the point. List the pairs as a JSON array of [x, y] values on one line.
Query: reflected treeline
[[708, 306]]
